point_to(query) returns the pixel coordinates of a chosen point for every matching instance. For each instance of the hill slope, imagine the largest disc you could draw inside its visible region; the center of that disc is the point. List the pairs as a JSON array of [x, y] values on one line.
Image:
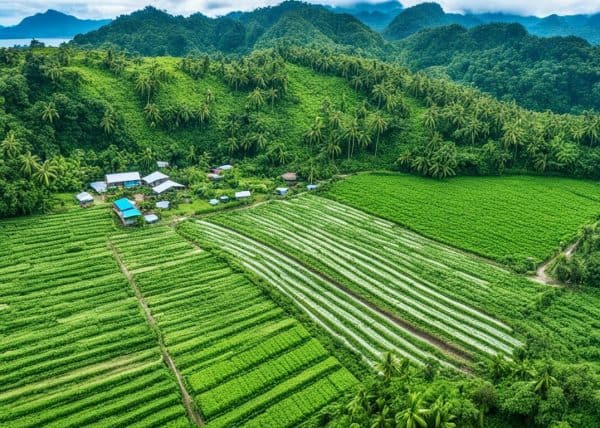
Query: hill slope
[[153, 32], [50, 24]]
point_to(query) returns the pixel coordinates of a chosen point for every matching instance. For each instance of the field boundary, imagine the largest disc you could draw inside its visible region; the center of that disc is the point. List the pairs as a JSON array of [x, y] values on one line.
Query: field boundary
[[188, 402], [450, 349]]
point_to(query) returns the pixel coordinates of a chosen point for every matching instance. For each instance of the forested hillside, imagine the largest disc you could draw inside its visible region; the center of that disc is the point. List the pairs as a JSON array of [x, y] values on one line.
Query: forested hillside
[[70, 116], [153, 32], [561, 74]]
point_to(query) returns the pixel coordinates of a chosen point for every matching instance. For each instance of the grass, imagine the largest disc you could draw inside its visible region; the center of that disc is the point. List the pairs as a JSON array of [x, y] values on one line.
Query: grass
[[509, 219]]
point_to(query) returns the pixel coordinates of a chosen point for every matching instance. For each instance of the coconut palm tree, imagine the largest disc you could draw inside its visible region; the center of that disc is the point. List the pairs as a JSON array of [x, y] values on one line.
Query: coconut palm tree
[[440, 414], [352, 134], [109, 121], [29, 163], [49, 112], [377, 125], [544, 380], [314, 135], [272, 94], [147, 159], [45, 174], [256, 99], [152, 114], [414, 413], [232, 144], [10, 146]]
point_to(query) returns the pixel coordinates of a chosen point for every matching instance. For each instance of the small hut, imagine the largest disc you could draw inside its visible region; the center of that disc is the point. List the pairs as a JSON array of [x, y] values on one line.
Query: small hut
[[289, 177], [84, 199]]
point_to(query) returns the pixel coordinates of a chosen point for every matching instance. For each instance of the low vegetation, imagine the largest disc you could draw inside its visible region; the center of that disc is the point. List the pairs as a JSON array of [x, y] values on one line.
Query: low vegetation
[[517, 220]]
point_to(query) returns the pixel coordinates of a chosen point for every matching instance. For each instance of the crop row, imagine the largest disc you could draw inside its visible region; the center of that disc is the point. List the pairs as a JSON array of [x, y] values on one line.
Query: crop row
[[331, 237]]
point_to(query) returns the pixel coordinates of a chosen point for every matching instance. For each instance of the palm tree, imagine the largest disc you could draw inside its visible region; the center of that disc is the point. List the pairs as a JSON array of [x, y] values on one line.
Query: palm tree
[[203, 112], [352, 134], [256, 99], [315, 134], [232, 145], [335, 120], [49, 112], [387, 367], [513, 136], [278, 153], [29, 163], [208, 96], [109, 121], [45, 174], [260, 138], [272, 95], [147, 158], [152, 114], [440, 415], [380, 92], [430, 120], [544, 380], [10, 146], [382, 418], [143, 86], [53, 72], [378, 125], [413, 415]]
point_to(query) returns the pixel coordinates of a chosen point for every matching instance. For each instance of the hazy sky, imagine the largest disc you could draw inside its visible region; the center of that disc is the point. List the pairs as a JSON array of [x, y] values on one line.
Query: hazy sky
[[12, 11]]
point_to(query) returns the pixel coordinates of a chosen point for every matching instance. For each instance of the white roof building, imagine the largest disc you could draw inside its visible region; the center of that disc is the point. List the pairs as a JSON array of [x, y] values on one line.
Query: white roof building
[[225, 167], [162, 164], [243, 194], [155, 177], [282, 191], [163, 205], [167, 185], [312, 187], [122, 177], [151, 218], [214, 202], [98, 186], [84, 197]]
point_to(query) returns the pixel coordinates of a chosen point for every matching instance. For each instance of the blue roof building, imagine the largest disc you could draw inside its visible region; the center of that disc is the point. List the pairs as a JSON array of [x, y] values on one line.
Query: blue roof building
[[123, 204], [127, 211]]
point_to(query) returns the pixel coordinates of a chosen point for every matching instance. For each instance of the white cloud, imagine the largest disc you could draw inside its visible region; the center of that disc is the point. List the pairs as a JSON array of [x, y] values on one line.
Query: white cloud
[[12, 12]]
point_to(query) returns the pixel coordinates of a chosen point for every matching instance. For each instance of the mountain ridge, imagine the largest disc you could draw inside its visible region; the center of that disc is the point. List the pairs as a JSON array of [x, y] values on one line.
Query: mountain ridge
[[51, 23]]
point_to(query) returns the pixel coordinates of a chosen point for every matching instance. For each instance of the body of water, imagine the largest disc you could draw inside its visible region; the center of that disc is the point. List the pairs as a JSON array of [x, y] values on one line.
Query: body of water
[[8, 43]]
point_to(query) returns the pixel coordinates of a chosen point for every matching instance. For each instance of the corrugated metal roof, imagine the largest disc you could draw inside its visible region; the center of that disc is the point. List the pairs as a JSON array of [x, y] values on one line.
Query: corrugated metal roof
[[155, 176], [225, 167], [163, 205], [162, 164], [133, 212], [124, 204], [243, 194], [213, 202], [122, 177], [151, 218], [98, 186], [84, 197], [166, 186]]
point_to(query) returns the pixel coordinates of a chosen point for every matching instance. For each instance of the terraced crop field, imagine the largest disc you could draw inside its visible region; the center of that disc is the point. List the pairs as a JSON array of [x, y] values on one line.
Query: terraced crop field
[[75, 348], [377, 286], [244, 359], [508, 219]]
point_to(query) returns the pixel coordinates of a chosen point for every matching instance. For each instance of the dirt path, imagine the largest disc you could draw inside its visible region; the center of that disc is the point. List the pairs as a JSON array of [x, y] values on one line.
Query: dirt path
[[541, 274], [188, 402]]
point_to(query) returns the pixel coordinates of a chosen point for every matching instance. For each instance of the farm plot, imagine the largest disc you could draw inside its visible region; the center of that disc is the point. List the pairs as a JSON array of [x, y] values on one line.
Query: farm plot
[[243, 359], [75, 349], [394, 269], [509, 219], [362, 328]]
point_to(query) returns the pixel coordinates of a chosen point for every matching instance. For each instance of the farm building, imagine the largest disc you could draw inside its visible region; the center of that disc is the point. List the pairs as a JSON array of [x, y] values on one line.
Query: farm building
[[243, 194], [225, 167], [282, 191], [163, 205], [150, 218], [312, 187], [84, 199], [162, 164], [127, 211], [289, 177], [224, 198], [214, 177], [214, 202], [99, 186], [123, 179], [155, 178], [166, 186]]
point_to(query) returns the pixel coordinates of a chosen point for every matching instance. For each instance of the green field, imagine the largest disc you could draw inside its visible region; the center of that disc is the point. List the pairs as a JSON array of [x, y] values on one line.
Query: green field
[[332, 259], [509, 219]]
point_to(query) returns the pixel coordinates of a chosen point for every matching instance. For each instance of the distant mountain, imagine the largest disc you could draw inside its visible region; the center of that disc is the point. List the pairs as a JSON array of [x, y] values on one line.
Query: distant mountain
[[431, 15], [375, 15], [50, 24], [422, 16], [154, 32]]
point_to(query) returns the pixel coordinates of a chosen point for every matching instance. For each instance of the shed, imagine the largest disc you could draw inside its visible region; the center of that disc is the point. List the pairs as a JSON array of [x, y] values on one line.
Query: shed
[[163, 205], [282, 191], [224, 198], [225, 167], [155, 178], [162, 164], [290, 177], [243, 194], [312, 187], [214, 177], [150, 218], [166, 186], [84, 199], [99, 186], [214, 202], [123, 179]]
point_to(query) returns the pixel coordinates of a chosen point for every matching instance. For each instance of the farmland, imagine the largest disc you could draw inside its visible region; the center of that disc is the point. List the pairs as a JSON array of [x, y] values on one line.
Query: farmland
[[75, 349], [243, 358], [508, 219], [458, 305]]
